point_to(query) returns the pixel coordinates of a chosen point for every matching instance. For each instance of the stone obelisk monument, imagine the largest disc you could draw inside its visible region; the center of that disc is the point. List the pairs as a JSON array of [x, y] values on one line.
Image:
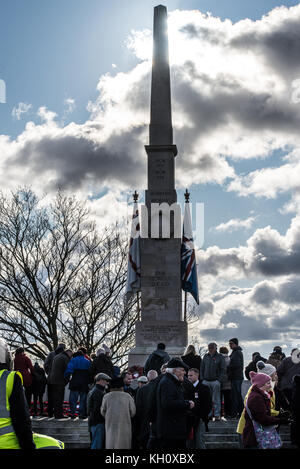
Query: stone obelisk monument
[[161, 297]]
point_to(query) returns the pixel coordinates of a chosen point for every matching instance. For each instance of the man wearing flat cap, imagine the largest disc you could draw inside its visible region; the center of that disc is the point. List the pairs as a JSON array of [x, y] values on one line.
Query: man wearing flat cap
[[172, 407], [96, 421]]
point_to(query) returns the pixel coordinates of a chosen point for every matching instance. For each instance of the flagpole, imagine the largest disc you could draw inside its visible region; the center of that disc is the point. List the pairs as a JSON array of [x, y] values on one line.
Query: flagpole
[[187, 201], [138, 305], [135, 199]]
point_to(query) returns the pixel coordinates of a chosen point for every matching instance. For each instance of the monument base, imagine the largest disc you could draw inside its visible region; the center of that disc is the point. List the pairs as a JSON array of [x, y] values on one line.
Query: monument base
[[173, 334]]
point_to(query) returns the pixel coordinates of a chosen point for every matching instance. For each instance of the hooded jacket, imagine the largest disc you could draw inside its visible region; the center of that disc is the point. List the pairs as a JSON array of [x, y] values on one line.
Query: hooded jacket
[[102, 364], [162, 355]]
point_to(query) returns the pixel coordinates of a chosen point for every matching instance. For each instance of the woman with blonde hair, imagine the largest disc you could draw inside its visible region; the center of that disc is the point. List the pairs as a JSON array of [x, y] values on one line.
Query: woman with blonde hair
[[190, 357]]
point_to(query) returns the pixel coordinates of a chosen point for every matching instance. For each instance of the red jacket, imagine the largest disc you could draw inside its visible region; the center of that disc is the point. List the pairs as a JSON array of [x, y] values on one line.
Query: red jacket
[[260, 408], [23, 364]]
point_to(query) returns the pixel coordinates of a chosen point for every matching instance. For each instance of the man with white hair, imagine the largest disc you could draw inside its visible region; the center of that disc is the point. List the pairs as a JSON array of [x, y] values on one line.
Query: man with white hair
[[171, 424], [152, 374]]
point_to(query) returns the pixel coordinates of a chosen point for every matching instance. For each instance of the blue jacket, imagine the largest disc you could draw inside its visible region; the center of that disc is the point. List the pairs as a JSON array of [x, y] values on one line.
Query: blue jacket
[[78, 367]]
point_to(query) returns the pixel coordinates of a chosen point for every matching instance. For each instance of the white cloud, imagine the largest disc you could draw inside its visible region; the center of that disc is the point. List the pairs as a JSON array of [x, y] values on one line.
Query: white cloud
[[70, 106], [22, 108], [234, 224], [231, 100]]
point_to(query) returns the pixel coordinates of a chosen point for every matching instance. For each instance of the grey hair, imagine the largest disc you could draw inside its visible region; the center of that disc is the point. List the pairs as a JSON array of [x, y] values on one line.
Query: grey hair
[[152, 373]]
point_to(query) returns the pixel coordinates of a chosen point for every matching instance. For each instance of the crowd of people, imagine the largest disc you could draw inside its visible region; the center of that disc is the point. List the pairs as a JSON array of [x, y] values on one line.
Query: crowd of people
[[168, 403]]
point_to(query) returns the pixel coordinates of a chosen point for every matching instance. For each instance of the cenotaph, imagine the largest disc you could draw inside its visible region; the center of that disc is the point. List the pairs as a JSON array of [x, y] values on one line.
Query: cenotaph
[[161, 296]]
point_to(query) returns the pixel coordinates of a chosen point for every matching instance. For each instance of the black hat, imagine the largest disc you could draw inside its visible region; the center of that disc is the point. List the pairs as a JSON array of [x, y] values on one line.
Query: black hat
[[116, 383], [235, 341], [176, 362]]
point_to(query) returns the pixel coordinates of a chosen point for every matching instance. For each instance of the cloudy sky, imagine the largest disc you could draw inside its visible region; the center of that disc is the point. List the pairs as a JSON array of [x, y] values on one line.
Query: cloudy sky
[[76, 77]]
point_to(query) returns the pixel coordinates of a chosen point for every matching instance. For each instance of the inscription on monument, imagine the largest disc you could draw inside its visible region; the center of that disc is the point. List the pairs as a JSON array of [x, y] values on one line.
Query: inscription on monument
[[172, 334]]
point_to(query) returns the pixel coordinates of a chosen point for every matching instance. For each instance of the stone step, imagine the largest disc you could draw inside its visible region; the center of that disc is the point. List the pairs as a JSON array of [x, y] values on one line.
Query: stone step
[[75, 434], [60, 430], [54, 422], [68, 437], [222, 445]]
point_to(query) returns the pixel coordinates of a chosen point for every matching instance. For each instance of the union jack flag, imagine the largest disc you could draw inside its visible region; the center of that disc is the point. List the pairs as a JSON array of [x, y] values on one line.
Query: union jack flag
[[133, 284], [189, 278]]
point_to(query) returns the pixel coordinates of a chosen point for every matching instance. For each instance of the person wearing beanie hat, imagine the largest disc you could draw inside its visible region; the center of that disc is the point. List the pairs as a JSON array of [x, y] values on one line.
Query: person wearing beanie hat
[[259, 407], [266, 368], [276, 395], [260, 380], [142, 380]]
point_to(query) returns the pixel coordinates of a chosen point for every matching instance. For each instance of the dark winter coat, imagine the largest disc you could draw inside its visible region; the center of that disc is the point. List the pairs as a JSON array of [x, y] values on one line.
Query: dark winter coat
[[79, 368], [189, 395], [275, 359], [39, 380], [155, 361], [213, 367], [23, 364], [203, 402], [102, 364], [59, 366], [144, 411], [286, 370], [49, 360], [260, 408], [171, 421], [192, 361], [252, 365], [94, 402], [295, 427], [236, 365]]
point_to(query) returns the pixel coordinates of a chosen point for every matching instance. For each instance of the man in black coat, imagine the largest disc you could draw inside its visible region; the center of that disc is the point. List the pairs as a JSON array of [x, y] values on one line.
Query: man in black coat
[[143, 416], [47, 367], [171, 422], [203, 406], [295, 405], [39, 383], [96, 421], [235, 374], [256, 357], [102, 364], [58, 381]]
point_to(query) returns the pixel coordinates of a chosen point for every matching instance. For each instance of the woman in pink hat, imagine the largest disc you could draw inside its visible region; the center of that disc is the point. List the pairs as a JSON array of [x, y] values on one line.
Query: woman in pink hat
[[259, 407]]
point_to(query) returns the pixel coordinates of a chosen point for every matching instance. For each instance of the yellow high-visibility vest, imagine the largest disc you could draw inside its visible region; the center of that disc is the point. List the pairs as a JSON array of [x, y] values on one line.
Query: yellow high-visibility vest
[[8, 438]]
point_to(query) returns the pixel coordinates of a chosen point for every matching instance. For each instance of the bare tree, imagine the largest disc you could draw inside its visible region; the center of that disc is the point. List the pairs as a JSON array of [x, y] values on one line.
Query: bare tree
[[59, 278]]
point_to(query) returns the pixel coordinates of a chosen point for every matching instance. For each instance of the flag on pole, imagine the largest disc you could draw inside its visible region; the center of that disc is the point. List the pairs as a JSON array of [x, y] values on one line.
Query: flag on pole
[[189, 278], [133, 284]]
